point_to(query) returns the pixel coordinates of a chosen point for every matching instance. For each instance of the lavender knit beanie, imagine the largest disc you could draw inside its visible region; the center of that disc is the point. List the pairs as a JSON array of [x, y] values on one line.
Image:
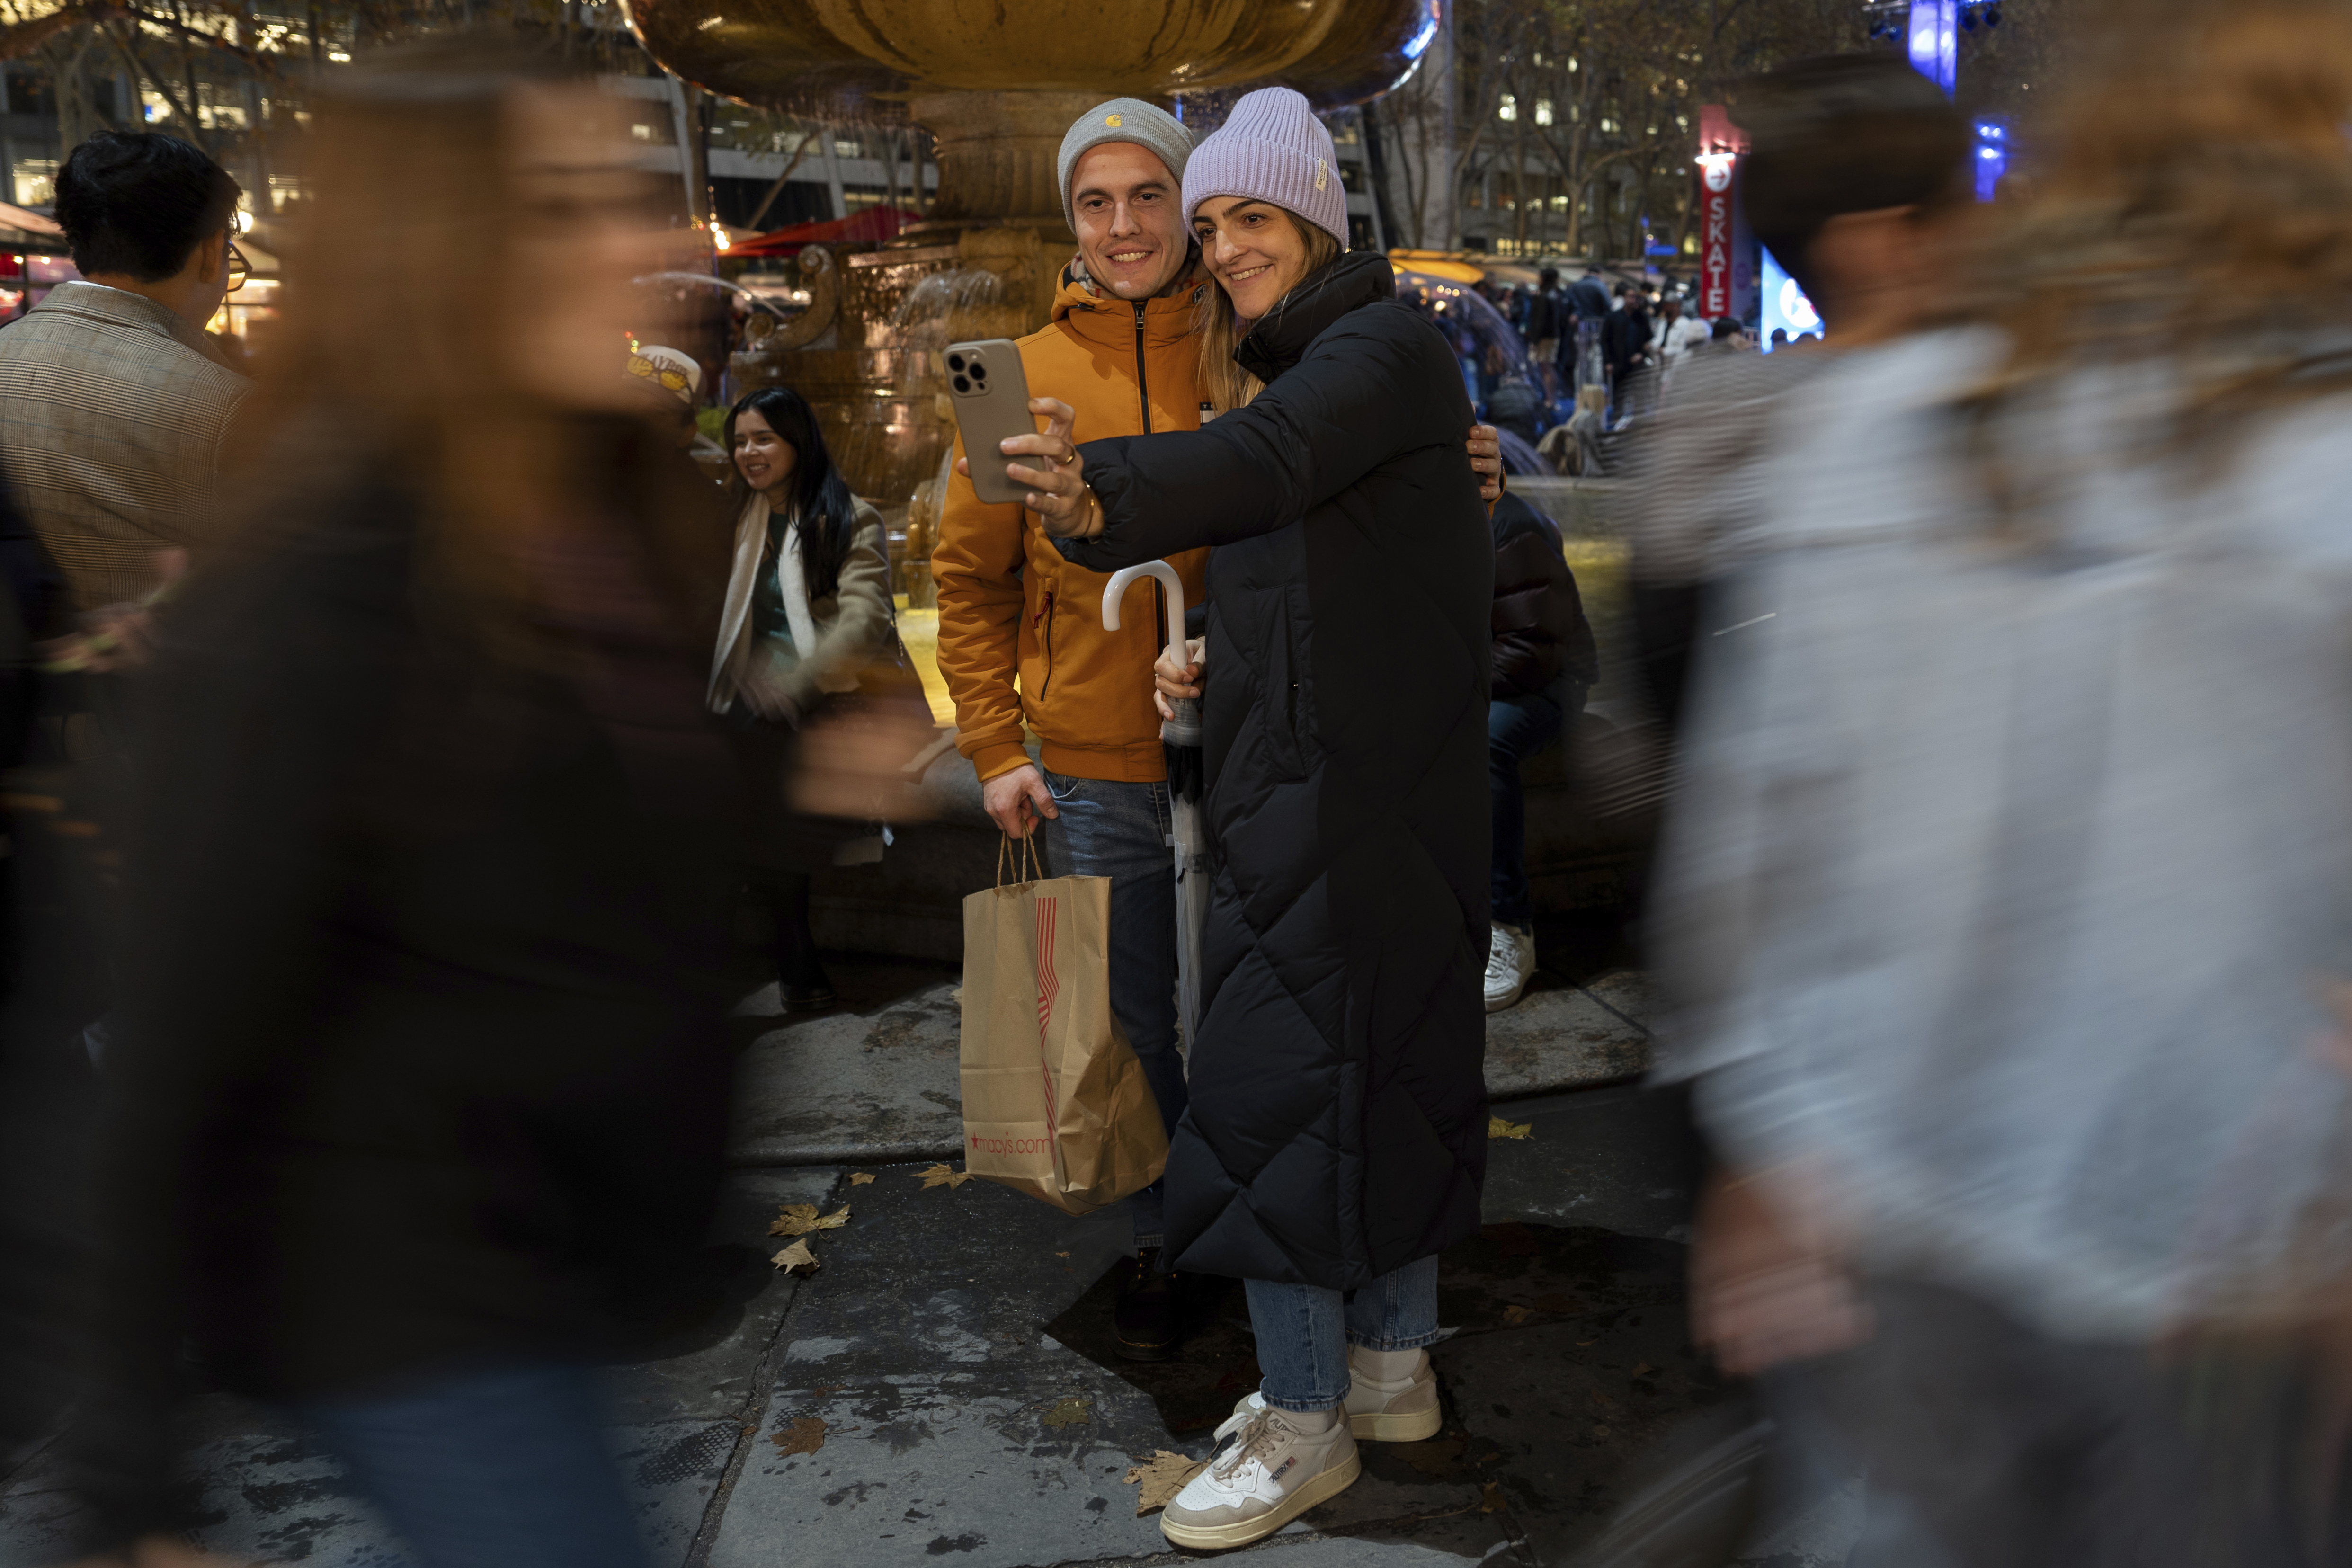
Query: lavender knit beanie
[[1271, 148]]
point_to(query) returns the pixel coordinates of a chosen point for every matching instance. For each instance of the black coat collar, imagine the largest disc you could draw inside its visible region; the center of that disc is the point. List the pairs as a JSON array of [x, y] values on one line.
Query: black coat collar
[[1280, 340]]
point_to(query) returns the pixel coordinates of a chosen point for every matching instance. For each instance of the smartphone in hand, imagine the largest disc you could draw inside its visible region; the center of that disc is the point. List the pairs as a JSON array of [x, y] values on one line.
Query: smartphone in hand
[[990, 397]]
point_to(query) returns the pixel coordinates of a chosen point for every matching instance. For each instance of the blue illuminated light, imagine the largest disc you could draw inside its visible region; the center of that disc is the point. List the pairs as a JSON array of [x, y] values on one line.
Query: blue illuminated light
[[1786, 309], [1934, 42], [1422, 39], [1993, 156]]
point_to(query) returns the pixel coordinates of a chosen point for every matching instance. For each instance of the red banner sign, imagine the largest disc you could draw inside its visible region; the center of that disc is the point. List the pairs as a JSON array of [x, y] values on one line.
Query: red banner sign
[[1720, 144]]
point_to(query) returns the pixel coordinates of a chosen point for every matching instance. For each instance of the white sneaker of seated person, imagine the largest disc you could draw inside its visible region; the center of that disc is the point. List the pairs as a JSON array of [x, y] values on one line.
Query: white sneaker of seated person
[[1392, 1396], [1281, 1464], [1510, 965]]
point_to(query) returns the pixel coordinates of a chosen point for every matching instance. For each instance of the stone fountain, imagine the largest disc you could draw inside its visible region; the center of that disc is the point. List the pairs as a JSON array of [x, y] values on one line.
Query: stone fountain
[[996, 86]]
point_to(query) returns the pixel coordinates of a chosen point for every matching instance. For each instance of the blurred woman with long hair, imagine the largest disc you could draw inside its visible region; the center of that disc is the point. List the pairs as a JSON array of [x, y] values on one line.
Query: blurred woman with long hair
[[807, 607], [2007, 905], [422, 1088]]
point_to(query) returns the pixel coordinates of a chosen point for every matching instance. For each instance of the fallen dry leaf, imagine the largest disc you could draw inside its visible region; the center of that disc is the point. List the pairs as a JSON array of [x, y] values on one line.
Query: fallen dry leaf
[[1158, 1478], [805, 1436], [1640, 1367], [796, 1256], [1517, 1315], [1498, 1127], [944, 1176], [1061, 1255], [1581, 1343], [800, 1219], [860, 1178], [1491, 1499], [1070, 1412]]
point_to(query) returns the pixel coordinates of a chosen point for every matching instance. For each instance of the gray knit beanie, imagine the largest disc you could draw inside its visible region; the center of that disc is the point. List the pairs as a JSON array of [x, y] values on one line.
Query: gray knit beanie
[[1272, 148], [1149, 127]]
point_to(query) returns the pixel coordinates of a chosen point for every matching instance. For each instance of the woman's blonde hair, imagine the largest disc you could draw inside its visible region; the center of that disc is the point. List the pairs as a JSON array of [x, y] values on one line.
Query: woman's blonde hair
[[1226, 384], [2195, 206]]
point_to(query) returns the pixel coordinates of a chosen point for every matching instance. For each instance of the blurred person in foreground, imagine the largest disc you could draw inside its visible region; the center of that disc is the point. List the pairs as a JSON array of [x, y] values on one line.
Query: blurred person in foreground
[[808, 606], [1857, 179], [2008, 915], [422, 1083]]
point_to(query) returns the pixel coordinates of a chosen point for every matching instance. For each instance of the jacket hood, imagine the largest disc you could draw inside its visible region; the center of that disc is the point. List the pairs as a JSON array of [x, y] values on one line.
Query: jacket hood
[[1359, 277]]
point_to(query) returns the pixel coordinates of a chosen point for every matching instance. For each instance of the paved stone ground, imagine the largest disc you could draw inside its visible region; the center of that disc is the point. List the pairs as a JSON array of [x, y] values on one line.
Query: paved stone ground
[[942, 1389], [877, 1080]]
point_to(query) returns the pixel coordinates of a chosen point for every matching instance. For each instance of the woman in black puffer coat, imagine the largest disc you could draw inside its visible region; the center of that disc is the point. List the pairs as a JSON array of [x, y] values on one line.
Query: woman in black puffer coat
[[1336, 1141]]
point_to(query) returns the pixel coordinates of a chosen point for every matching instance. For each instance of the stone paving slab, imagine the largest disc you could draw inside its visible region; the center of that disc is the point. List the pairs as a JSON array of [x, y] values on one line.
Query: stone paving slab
[[710, 1373], [268, 1490], [1622, 1159], [878, 1083], [1562, 1037], [265, 1491], [851, 1087]]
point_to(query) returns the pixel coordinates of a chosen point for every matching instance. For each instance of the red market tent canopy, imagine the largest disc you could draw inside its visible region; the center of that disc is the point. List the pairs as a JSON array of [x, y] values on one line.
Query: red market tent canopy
[[867, 228]]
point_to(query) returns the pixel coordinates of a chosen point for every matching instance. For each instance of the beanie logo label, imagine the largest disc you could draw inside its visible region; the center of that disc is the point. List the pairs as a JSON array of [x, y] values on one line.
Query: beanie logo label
[[1112, 119], [1322, 175]]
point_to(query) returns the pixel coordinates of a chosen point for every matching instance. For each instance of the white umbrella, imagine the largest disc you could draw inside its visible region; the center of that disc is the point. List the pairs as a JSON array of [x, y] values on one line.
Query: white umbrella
[[1181, 738]]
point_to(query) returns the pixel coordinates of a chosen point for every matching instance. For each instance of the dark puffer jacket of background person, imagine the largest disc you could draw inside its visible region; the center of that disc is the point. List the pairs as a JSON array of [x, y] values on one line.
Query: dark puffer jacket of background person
[[1541, 634]]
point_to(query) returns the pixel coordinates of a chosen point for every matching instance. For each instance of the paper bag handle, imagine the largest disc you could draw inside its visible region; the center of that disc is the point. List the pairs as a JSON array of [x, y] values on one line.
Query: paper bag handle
[[1028, 844]]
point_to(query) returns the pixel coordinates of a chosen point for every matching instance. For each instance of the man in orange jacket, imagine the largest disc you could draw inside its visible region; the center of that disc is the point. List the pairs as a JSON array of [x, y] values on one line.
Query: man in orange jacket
[[1022, 642]]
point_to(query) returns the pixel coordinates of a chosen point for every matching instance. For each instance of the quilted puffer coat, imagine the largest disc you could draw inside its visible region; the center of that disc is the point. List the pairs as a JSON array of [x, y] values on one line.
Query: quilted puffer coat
[[1338, 1126]]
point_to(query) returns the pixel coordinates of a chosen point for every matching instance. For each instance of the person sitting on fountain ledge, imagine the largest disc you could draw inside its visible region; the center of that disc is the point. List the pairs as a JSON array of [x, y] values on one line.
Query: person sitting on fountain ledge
[[1123, 349]]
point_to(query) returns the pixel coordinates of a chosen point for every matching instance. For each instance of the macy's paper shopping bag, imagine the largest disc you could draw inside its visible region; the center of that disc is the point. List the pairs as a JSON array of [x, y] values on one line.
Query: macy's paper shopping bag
[[1054, 1103]]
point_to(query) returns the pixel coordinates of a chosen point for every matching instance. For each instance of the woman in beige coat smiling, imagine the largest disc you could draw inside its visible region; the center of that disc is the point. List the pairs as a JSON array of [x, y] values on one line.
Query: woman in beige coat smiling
[[808, 606]]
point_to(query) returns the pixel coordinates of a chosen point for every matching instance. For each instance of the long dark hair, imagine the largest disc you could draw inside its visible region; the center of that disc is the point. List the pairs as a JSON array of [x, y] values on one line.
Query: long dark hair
[[819, 495]]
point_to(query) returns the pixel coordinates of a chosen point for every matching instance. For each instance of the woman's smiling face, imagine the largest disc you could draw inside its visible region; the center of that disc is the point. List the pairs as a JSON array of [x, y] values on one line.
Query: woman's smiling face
[[1253, 249], [764, 458]]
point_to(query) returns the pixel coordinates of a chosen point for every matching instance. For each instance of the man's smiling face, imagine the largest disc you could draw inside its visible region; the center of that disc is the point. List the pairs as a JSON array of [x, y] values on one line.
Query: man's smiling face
[[1130, 219]]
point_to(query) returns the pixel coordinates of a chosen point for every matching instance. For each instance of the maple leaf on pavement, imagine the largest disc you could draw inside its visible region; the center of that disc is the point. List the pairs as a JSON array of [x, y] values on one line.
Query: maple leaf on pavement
[[799, 1219], [795, 1257], [944, 1176], [805, 1436], [1158, 1478]]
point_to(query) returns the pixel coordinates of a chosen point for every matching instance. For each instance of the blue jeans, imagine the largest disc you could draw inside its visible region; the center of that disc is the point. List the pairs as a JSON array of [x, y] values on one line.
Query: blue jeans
[[1304, 1330], [1516, 729], [503, 1469], [1110, 829]]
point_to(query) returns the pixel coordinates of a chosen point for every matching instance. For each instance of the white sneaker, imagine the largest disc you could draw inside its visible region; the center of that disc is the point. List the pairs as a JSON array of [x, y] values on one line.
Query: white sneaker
[[1510, 965], [1271, 1475], [1405, 1411]]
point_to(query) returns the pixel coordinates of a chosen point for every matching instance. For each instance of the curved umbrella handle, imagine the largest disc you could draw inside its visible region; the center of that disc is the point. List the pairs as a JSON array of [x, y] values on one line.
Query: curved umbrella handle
[[1185, 730], [1125, 578]]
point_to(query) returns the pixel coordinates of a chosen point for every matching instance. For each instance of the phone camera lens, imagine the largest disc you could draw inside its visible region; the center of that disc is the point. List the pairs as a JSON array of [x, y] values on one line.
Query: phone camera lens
[[961, 384], [978, 371], [955, 362]]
